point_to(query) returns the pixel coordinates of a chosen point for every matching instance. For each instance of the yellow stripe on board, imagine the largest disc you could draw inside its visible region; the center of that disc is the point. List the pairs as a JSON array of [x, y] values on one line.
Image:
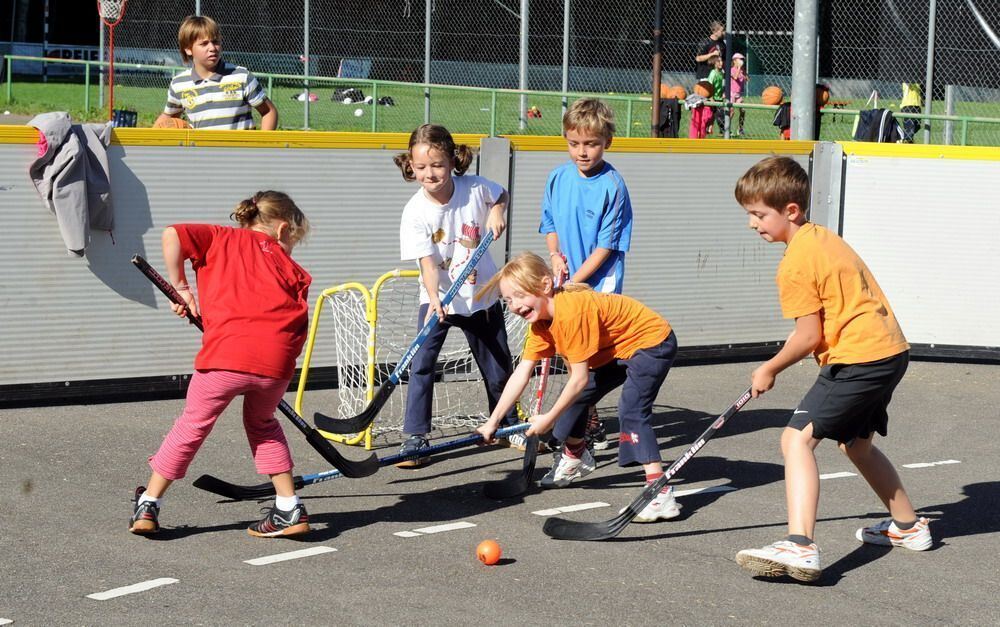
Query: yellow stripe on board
[[687, 146], [241, 139], [921, 151]]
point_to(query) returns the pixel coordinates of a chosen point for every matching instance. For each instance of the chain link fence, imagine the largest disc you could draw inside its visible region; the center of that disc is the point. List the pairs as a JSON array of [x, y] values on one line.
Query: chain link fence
[[867, 52]]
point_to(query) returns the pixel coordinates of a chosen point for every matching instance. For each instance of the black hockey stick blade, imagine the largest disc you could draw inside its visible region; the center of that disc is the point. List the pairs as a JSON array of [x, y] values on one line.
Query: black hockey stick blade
[[356, 424], [562, 529], [518, 484], [239, 492]]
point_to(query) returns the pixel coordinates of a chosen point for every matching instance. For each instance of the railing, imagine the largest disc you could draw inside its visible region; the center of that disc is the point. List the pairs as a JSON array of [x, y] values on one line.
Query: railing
[[618, 101]]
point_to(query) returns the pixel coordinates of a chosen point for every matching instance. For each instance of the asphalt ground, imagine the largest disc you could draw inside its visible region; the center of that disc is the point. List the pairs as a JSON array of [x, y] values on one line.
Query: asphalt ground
[[69, 471]]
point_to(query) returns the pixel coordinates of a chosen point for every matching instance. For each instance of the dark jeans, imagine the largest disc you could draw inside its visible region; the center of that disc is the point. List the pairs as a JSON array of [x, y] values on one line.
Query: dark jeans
[[487, 337], [640, 378]]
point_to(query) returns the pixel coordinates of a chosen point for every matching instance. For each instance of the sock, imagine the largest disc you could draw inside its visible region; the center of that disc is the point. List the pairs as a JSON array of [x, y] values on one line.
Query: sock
[[575, 451], [650, 478], [286, 503], [904, 526], [803, 540], [145, 498]]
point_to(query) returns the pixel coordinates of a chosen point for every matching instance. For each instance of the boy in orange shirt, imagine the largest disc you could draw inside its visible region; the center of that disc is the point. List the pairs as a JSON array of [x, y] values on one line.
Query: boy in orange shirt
[[607, 341], [843, 319]]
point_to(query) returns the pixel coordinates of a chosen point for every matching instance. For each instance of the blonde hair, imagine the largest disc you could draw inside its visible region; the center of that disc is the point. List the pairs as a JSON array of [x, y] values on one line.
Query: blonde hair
[[590, 115], [439, 138], [269, 206], [528, 271], [776, 182], [193, 28]]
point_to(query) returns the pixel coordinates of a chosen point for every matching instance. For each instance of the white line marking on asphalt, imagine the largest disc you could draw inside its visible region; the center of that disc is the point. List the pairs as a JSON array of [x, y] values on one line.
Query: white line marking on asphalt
[[716, 488], [434, 529], [837, 475], [5, 621], [136, 587], [290, 555], [570, 508], [929, 464]]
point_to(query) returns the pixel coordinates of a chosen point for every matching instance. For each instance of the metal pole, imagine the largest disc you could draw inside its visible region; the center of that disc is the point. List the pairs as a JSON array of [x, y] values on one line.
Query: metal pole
[[305, 61], [804, 70], [100, 68], [523, 67], [565, 66], [654, 125], [45, 42], [427, 61], [727, 69], [949, 109], [929, 78], [197, 7]]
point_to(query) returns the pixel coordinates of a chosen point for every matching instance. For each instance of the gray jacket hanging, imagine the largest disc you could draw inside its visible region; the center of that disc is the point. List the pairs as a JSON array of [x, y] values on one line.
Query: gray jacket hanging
[[71, 175]]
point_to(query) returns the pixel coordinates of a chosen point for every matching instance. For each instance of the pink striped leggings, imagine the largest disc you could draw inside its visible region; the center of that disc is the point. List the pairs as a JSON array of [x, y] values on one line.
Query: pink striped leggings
[[208, 396]]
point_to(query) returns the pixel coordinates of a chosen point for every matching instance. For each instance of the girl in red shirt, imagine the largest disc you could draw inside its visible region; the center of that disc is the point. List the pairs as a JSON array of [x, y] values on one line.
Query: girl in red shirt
[[253, 302]]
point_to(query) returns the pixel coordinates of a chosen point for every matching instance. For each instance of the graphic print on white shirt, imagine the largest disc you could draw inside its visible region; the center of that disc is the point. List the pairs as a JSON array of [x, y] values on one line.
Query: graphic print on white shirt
[[449, 234]]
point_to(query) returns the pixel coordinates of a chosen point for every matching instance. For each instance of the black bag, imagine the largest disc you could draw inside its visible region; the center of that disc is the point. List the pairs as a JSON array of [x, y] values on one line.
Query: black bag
[[878, 125], [349, 94], [783, 116], [670, 117]]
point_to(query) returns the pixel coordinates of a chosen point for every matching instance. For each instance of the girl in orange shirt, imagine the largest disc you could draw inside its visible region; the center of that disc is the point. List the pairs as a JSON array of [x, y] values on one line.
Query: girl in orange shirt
[[607, 341]]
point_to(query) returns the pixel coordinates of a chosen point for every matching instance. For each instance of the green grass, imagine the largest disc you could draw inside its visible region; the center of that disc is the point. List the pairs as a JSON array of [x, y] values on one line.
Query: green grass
[[460, 110]]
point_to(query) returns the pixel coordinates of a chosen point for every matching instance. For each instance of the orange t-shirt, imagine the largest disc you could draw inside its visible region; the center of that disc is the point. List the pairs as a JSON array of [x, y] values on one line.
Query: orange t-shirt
[[596, 328], [821, 273]]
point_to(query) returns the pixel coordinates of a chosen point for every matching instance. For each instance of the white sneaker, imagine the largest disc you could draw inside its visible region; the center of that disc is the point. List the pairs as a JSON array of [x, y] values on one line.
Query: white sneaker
[[663, 507], [566, 469], [782, 558], [886, 533]]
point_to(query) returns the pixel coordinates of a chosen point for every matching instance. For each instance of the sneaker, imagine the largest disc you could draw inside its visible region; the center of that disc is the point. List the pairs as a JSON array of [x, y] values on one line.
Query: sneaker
[[145, 516], [412, 446], [886, 533], [663, 507], [279, 522], [565, 469], [782, 558], [596, 435]]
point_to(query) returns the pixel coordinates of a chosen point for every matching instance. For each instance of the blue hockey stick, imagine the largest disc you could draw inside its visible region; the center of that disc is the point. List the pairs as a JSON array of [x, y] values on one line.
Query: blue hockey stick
[[265, 490]]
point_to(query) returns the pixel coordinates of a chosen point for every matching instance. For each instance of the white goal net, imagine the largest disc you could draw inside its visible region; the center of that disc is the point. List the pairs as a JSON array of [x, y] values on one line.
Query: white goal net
[[370, 329]]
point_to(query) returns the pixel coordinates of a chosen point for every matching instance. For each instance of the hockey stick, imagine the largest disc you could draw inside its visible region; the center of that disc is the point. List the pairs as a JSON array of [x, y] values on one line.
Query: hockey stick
[[359, 423], [518, 484], [562, 529], [264, 490], [323, 446]]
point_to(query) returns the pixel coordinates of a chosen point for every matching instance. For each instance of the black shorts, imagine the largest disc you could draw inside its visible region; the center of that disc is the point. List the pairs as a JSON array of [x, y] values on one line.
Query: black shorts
[[849, 401]]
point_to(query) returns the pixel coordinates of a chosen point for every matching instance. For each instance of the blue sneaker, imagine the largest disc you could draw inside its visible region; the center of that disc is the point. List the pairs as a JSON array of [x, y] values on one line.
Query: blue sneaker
[[411, 449]]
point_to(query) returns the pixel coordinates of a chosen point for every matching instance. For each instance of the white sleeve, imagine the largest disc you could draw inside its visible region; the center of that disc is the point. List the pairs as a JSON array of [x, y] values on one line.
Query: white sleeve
[[414, 235], [491, 191]]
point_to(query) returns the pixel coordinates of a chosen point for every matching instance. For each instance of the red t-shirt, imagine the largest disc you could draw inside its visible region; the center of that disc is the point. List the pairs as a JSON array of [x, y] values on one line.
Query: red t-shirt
[[253, 300]]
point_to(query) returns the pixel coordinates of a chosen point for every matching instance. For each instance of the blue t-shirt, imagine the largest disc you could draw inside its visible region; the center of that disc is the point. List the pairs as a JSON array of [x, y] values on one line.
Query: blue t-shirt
[[588, 213]]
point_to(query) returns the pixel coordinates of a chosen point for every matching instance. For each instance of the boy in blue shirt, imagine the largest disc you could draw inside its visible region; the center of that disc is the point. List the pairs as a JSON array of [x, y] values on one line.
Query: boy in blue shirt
[[587, 214]]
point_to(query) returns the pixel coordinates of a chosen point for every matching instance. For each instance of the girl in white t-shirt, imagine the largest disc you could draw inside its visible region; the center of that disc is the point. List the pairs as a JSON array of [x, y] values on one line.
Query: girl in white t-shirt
[[441, 227]]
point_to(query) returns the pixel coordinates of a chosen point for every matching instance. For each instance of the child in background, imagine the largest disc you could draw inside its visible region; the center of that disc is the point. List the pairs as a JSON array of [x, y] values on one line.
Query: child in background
[[587, 214], [441, 227], [214, 94], [843, 319], [607, 341], [737, 87], [701, 114], [717, 77], [253, 302]]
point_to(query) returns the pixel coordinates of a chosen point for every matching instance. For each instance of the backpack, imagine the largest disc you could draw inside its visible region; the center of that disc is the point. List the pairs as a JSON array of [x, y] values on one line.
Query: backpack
[[348, 95], [877, 125], [670, 117]]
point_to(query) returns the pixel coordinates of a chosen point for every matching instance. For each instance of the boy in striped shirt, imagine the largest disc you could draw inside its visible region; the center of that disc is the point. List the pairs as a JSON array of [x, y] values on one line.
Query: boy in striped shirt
[[214, 94]]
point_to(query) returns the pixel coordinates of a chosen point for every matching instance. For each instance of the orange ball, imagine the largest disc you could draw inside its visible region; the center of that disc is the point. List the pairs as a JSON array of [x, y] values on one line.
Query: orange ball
[[678, 92], [665, 90], [488, 552], [772, 95], [704, 89], [171, 123]]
